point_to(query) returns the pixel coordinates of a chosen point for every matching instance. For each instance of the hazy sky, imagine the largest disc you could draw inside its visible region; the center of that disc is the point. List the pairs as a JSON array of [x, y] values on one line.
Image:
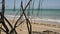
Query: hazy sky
[[46, 4]]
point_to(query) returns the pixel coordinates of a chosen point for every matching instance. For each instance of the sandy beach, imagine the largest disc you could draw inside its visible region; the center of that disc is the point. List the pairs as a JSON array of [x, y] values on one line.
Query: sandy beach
[[38, 27], [44, 16]]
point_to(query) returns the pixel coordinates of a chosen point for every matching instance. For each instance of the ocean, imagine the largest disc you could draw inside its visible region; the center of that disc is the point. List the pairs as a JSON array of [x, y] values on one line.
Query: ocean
[[42, 14]]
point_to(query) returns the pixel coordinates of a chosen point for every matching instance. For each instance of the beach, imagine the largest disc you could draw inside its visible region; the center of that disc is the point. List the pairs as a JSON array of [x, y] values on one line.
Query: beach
[[38, 25], [43, 17], [42, 21], [38, 28]]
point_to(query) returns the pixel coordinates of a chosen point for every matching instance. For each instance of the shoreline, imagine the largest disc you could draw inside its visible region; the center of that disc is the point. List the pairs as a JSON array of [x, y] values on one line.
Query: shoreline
[[33, 18], [37, 26]]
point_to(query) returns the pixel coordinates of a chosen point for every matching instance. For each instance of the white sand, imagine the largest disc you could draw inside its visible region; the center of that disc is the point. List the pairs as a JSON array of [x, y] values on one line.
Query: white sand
[[38, 26]]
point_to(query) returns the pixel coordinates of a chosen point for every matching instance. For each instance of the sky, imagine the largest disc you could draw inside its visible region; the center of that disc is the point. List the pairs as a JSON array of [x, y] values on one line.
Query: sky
[[46, 4]]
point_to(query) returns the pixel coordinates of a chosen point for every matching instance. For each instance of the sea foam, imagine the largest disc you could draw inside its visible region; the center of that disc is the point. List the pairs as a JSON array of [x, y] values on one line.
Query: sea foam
[[11, 17]]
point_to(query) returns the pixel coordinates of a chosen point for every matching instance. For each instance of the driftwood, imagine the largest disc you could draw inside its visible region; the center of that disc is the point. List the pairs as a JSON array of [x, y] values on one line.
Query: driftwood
[[12, 31], [5, 26], [3, 18], [27, 20]]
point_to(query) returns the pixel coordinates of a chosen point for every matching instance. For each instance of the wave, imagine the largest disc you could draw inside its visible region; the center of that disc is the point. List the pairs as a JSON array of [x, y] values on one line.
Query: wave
[[11, 17], [52, 20], [33, 18]]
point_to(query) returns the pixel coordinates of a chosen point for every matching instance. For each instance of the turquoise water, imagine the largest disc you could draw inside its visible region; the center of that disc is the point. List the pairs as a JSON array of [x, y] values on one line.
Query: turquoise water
[[51, 15], [11, 12], [43, 13]]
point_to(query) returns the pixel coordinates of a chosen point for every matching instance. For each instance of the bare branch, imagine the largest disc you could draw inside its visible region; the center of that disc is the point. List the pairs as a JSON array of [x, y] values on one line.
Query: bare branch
[[6, 20], [3, 30], [20, 23], [23, 11]]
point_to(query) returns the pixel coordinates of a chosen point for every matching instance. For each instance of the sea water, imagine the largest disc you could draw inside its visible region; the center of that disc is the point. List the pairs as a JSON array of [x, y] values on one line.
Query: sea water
[[42, 14]]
